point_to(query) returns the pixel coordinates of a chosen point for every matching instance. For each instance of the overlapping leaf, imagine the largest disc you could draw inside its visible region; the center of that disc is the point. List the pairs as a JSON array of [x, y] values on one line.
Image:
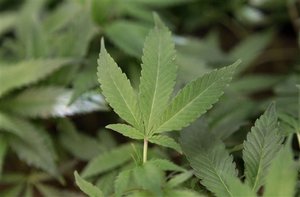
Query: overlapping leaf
[[261, 146], [282, 176], [210, 160]]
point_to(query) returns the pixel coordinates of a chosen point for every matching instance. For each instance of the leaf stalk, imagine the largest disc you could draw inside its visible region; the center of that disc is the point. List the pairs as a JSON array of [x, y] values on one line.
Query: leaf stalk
[[145, 150]]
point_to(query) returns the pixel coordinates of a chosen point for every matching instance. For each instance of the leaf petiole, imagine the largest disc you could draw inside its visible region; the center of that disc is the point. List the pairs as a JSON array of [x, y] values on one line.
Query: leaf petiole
[[145, 150]]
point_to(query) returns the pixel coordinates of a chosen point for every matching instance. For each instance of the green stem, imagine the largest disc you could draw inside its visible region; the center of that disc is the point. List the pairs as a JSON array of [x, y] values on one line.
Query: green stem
[[145, 151]]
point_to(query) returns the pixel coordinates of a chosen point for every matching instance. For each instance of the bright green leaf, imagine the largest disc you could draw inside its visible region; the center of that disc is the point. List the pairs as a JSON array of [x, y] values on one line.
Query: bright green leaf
[[158, 73], [126, 130], [195, 99], [117, 89]]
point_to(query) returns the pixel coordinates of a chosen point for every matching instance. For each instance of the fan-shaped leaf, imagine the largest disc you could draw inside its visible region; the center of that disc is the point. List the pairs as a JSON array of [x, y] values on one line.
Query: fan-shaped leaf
[[158, 73], [209, 158], [12, 76], [261, 146], [117, 89], [195, 99]]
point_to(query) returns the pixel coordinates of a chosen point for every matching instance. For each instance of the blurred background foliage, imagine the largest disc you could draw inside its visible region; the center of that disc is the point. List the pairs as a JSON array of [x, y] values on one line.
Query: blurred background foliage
[[52, 113]]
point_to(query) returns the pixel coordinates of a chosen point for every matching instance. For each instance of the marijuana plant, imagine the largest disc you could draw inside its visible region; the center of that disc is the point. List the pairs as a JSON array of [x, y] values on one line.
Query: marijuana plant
[[264, 156], [150, 113]]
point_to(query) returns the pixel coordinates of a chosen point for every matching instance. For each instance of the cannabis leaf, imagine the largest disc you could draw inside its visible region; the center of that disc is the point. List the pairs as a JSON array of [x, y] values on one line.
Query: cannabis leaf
[[209, 158], [165, 141], [107, 161], [126, 130], [35, 70], [261, 146], [51, 101], [88, 188], [122, 182], [117, 89], [29, 142], [195, 99], [150, 112], [282, 175], [158, 73]]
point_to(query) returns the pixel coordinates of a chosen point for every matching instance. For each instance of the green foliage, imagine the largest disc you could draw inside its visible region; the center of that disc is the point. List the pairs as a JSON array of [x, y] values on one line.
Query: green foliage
[[29, 143], [282, 176], [35, 70], [209, 159], [150, 113], [261, 146], [158, 74], [50, 125], [117, 89], [107, 161], [86, 187], [52, 102], [213, 165]]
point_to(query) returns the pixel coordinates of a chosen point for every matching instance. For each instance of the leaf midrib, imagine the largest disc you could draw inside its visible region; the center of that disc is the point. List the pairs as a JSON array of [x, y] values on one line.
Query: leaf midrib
[[156, 85], [220, 178], [260, 161], [120, 92]]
